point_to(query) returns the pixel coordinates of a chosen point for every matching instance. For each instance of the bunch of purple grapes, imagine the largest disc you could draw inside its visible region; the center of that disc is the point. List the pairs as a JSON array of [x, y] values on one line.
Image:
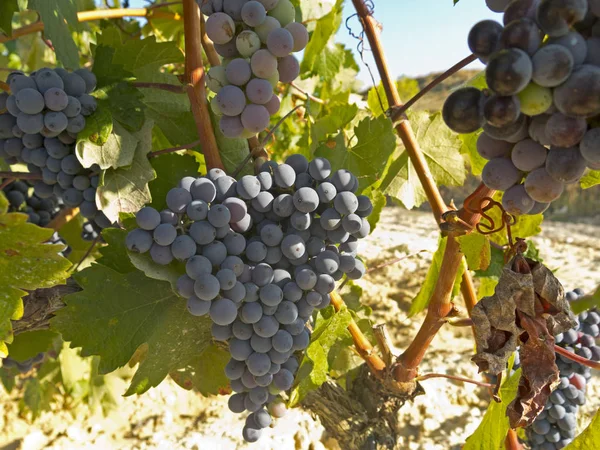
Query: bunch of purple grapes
[[39, 123], [556, 426], [256, 40], [261, 255], [40, 211], [23, 366], [540, 108]]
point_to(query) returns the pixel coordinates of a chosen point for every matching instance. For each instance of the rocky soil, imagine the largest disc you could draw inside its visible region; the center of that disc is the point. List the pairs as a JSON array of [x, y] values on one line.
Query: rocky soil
[[170, 418]]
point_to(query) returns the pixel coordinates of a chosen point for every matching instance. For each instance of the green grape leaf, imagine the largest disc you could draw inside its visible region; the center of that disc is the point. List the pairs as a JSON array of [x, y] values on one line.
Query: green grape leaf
[[206, 372], [105, 142], [422, 299], [232, 151], [329, 62], [315, 52], [126, 189], [28, 344], [33, 396], [367, 158], [476, 248], [7, 9], [589, 438], [491, 432], [586, 303], [170, 169], [314, 368], [116, 313], [170, 111], [379, 201], [57, 15], [107, 73], [469, 150], [123, 101], [377, 100], [147, 55], [591, 179], [114, 255], [25, 263], [333, 122], [441, 148], [487, 286]]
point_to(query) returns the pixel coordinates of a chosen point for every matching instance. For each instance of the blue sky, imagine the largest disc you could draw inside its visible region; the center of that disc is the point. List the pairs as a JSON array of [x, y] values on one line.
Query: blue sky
[[419, 36]]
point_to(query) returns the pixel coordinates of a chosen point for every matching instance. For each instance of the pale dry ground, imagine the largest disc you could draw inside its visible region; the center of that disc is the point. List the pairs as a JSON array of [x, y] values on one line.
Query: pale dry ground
[[170, 418]]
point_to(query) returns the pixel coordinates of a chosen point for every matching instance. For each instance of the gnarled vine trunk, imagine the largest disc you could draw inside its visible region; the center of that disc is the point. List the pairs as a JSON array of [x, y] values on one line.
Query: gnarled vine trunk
[[363, 417]]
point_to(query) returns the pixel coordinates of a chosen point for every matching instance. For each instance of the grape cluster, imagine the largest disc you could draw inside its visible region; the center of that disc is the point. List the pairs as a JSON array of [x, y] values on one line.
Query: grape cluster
[[40, 211], [556, 426], [261, 254], [44, 113], [24, 366], [539, 112], [256, 40]]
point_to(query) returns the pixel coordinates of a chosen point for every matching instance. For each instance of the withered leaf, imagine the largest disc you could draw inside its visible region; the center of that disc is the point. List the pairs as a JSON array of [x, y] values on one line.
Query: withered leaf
[[527, 309]]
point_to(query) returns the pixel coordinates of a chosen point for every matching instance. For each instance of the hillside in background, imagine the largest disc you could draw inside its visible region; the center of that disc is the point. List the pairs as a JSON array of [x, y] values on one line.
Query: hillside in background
[[434, 100]]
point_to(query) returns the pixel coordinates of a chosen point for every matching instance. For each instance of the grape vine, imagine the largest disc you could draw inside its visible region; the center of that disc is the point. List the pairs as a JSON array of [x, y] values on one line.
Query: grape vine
[[210, 192]]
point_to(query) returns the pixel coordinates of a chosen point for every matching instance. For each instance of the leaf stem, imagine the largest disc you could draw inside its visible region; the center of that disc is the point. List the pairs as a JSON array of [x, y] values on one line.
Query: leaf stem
[[213, 57], [399, 112], [163, 86], [307, 95], [88, 252], [453, 377], [579, 359], [195, 76], [21, 175], [174, 149]]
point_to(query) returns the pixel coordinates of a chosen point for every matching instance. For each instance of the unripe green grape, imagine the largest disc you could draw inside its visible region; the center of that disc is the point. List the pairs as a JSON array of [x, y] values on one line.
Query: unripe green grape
[[247, 43], [214, 106], [263, 64], [216, 78], [284, 12], [263, 30], [274, 79], [535, 99]]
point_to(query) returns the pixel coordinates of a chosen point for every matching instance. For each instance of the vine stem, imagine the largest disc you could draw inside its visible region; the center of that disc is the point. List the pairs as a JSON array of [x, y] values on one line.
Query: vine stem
[[21, 175], [440, 303], [512, 441], [454, 377], [401, 110], [209, 48], [4, 86], [362, 344], [406, 134], [89, 16], [174, 149], [195, 76], [579, 359]]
